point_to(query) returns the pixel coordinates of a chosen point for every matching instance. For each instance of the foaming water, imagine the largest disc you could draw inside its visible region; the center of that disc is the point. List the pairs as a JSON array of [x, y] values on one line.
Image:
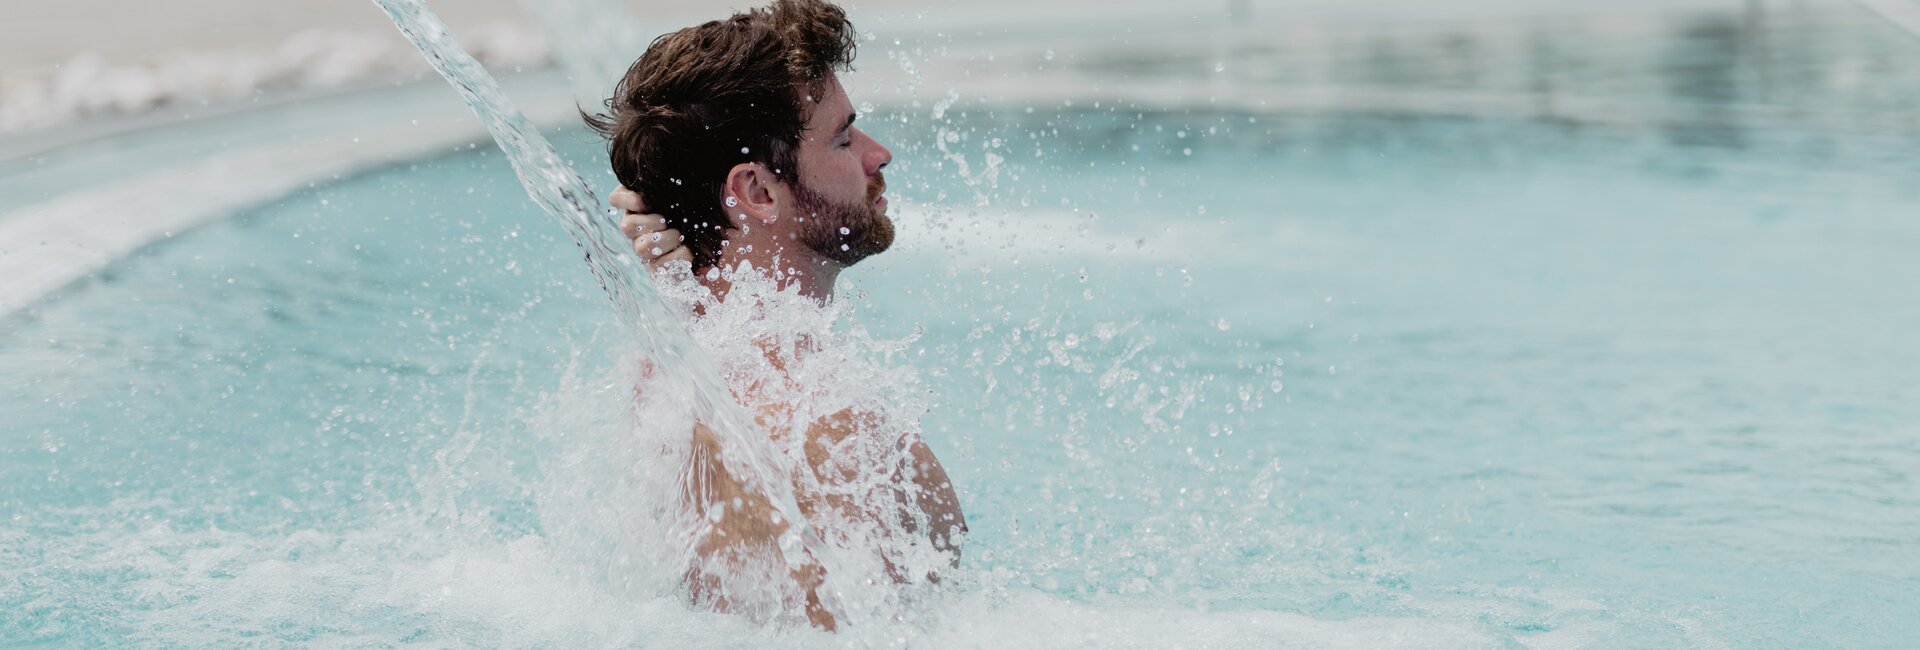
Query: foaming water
[[587, 560]]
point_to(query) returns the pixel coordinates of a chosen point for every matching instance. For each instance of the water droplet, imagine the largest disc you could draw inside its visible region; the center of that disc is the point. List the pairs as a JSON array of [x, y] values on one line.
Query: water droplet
[[845, 231]]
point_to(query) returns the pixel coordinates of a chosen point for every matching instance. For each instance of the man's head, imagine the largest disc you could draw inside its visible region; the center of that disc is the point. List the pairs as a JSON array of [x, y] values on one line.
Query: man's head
[[742, 122]]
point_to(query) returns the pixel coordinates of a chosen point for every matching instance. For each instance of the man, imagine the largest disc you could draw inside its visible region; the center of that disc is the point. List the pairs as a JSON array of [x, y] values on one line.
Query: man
[[739, 135]]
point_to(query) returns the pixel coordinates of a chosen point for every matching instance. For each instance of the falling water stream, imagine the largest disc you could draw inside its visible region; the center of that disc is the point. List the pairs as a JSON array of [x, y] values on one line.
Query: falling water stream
[[565, 196]]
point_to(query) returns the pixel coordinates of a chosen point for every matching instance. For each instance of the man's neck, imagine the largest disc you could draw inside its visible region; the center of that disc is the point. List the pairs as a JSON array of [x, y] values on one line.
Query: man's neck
[[789, 266]]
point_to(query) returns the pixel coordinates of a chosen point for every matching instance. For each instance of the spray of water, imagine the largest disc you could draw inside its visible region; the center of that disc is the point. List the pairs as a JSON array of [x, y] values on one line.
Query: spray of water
[[661, 335]]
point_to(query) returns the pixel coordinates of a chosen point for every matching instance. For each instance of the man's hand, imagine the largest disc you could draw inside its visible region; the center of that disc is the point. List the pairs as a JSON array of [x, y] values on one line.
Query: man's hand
[[652, 240]]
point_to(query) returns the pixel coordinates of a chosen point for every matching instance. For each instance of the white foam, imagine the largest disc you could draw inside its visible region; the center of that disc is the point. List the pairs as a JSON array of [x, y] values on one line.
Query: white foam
[[404, 579], [602, 570]]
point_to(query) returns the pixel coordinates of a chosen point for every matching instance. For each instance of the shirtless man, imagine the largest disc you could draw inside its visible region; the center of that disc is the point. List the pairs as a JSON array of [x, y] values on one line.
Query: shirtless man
[[742, 142]]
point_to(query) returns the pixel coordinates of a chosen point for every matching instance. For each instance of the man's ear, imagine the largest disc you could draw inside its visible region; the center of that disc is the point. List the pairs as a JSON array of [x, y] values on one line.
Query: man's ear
[[750, 194]]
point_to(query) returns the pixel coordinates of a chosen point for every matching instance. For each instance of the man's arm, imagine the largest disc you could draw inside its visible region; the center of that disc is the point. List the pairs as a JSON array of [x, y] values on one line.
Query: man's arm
[[937, 499]]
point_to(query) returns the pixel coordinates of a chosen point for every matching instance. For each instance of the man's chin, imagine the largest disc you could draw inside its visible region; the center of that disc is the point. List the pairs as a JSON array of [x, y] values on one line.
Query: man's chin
[[875, 239]]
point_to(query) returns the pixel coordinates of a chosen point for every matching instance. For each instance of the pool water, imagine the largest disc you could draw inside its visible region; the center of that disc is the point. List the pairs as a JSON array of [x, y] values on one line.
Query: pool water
[[1204, 377]]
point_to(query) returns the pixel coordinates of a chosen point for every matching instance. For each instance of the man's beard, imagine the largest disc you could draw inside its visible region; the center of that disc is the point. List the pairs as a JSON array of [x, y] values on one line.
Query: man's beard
[[867, 230]]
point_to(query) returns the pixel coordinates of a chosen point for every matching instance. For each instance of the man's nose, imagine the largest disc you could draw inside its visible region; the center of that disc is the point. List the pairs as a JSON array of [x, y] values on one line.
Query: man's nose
[[877, 155]]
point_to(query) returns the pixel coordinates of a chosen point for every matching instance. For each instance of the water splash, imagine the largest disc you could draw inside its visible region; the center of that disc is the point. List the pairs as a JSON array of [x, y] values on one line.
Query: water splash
[[661, 334]]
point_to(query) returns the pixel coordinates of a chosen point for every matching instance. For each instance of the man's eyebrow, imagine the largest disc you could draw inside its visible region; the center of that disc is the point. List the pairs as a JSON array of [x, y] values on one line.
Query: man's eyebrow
[[849, 124]]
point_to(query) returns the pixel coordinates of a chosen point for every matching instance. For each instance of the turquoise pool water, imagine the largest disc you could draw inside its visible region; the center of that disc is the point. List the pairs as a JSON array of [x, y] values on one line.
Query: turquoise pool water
[[1205, 377]]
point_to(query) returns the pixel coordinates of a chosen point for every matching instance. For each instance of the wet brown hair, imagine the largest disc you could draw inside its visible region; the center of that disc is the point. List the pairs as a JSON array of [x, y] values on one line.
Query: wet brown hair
[[706, 98]]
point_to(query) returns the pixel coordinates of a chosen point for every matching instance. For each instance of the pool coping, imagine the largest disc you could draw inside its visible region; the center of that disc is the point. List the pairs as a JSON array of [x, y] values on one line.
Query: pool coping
[[52, 244], [19, 147]]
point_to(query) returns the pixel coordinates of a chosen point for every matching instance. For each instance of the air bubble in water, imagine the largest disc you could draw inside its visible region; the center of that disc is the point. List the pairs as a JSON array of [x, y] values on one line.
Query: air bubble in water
[[845, 231]]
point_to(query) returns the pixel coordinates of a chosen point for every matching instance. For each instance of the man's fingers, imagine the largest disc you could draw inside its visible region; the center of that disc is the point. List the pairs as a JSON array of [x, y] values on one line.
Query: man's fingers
[[633, 225], [627, 199], [652, 240], [659, 245]]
